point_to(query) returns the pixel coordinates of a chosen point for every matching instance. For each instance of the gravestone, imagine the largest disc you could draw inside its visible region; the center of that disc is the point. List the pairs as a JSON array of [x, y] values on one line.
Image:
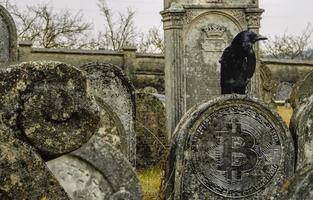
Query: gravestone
[[302, 90], [8, 37], [115, 96], [47, 105], [23, 174], [152, 141], [229, 147], [301, 127], [196, 33], [299, 187], [282, 93], [97, 171]]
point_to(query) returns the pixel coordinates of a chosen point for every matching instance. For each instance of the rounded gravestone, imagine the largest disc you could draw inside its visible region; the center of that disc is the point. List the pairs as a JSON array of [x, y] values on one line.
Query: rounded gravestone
[[152, 142], [23, 174], [97, 171], [229, 147], [302, 90], [282, 93], [301, 127], [48, 105], [299, 187], [115, 96]]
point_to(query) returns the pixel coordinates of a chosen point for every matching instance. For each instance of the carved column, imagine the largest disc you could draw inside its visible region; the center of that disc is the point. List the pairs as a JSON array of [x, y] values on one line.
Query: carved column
[[174, 80]]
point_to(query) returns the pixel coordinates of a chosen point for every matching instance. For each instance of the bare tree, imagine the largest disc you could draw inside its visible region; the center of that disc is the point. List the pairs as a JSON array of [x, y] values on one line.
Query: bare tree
[[48, 28], [290, 46], [118, 32], [152, 42]]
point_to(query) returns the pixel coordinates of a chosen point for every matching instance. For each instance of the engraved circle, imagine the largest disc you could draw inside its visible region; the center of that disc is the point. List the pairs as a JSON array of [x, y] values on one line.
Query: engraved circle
[[236, 151]]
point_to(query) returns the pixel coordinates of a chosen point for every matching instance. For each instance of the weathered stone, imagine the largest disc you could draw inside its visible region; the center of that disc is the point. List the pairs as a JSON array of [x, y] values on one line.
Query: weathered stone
[[47, 105], [152, 141], [23, 174], [8, 37], [116, 98], [302, 90], [97, 171], [282, 93], [299, 187], [229, 147], [301, 127]]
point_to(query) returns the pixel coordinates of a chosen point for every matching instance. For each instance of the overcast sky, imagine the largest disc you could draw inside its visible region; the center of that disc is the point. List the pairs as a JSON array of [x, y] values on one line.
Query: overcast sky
[[290, 16]]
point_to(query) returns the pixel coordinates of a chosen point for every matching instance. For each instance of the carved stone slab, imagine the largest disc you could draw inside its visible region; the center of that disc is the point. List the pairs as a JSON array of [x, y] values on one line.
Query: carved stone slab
[[23, 174], [97, 171], [47, 104], [115, 96], [229, 147], [301, 127], [302, 90], [152, 140]]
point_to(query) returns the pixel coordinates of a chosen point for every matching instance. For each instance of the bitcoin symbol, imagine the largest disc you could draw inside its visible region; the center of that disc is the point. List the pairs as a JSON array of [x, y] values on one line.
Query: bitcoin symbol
[[237, 156]]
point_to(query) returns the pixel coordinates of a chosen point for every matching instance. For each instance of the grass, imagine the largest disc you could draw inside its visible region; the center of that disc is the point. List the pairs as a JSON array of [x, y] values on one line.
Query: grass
[[151, 178]]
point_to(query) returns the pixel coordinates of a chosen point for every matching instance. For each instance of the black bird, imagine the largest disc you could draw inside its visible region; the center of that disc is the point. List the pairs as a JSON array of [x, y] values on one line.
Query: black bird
[[238, 63]]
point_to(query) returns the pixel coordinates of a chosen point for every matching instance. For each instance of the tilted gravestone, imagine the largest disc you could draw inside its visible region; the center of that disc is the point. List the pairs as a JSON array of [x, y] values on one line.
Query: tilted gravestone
[[229, 147], [8, 37], [282, 93], [115, 96], [97, 171], [299, 187], [48, 106], [196, 33], [152, 141], [23, 174], [301, 127], [302, 90]]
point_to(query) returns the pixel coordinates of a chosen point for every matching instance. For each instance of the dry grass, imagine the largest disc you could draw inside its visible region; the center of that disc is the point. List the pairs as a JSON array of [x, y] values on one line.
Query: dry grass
[[285, 113], [150, 180]]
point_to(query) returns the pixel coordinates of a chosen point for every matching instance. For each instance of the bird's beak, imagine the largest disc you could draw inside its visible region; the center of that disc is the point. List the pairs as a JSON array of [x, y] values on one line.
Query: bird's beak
[[260, 37]]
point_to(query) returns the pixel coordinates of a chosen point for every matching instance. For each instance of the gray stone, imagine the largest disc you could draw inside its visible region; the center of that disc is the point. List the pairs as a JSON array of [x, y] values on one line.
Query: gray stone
[[302, 90], [8, 37], [23, 174], [299, 187], [229, 147], [115, 96], [152, 141], [47, 105], [196, 33], [97, 171], [282, 93], [301, 127]]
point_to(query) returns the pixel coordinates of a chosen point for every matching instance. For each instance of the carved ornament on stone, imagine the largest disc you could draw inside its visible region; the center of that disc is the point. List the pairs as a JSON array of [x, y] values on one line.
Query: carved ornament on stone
[[253, 20], [214, 40]]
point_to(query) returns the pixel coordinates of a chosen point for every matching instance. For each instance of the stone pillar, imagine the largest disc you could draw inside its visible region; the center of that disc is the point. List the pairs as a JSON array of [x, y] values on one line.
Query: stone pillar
[[24, 50], [196, 34], [174, 76], [130, 62]]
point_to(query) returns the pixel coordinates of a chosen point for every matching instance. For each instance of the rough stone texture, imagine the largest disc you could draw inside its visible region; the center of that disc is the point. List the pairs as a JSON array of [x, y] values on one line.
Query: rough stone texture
[[8, 37], [302, 90], [229, 147], [268, 84], [115, 96], [97, 171], [299, 187], [196, 33], [152, 141], [301, 127], [283, 92], [23, 174], [47, 105]]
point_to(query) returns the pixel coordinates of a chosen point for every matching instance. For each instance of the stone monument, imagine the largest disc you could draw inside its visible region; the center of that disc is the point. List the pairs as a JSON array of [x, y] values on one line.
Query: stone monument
[[196, 33], [282, 93], [302, 90], [229, 147]]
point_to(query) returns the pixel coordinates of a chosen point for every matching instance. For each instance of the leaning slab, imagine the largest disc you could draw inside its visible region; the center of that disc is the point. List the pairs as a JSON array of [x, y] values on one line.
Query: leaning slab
[[97, 171], [23, 174], [229, 147], [302, 90], [115, 96], [47, 105]]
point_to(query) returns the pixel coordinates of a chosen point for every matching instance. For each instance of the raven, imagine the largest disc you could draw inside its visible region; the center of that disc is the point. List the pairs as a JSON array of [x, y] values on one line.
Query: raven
[[238, 62]]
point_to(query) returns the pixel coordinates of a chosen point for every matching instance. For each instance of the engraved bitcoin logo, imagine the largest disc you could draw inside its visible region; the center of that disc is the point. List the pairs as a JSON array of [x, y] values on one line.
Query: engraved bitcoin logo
[[235, 155], [238, 155]]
